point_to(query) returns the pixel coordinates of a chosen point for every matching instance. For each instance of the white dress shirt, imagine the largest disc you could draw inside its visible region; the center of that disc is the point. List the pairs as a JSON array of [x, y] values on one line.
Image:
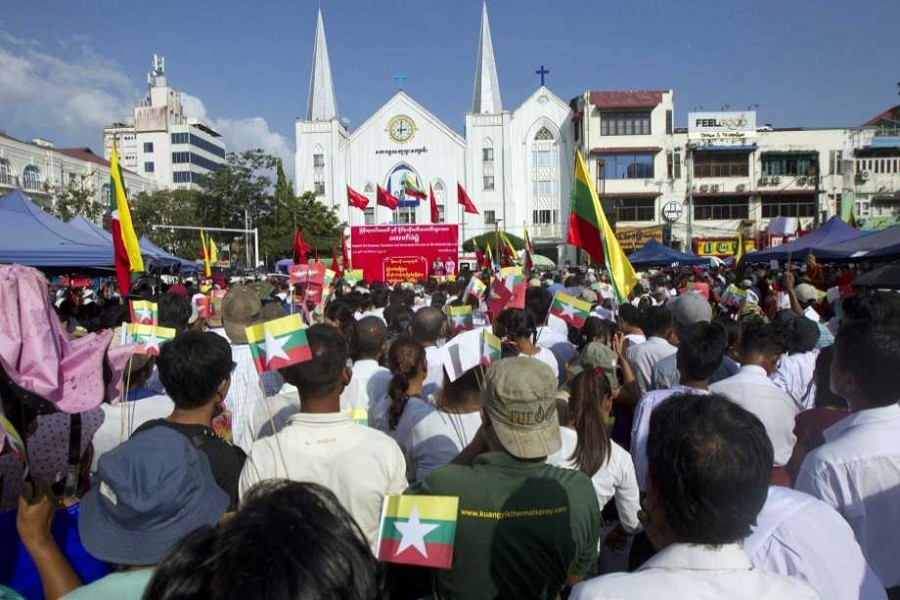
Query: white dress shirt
[[635, 339], [360, 465], [563, 350], [614, 479], [695, 572], [803, 537], [434, 381], [439, 437], [246, 392], [640, 427], [368, 385], [545, 356], [796, 376], [643, 356], [121, 420], [857, 472], [752, 389]]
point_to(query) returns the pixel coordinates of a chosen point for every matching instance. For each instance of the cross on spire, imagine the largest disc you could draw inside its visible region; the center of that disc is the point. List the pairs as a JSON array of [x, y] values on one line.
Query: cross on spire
[[400, 77], [542, 72]]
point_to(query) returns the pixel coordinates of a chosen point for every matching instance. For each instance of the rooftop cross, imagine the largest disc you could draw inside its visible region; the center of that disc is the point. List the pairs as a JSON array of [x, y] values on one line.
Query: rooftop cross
[[400, 77], [542, 72]]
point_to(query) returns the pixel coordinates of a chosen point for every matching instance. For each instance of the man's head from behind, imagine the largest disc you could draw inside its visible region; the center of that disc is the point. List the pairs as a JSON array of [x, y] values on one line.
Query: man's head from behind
[[866, 363], [326, 373], [195, 368], [428, 324], [370, 336], [659, 322], [881, 307], [710, 462], [174, 311], [700, 350], [538, 299], [761, 345]]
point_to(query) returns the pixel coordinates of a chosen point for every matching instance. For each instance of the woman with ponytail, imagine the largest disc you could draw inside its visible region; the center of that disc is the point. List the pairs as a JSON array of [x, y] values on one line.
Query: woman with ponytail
[[587, 446], [403, 407]]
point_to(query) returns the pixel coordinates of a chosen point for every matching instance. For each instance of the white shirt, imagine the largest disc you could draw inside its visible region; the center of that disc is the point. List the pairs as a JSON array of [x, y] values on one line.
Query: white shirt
[[640, 427], [635, 339], [121, 420], [414, 411], [695, 572], [643, 356], [752, 389], [360, 465], [434, 381], [801, 536], [368, 385], [563, 350], [796, 376], [439, 437], [245, 393], [857, 472], [273, 413], [545, 356], [615, 478]]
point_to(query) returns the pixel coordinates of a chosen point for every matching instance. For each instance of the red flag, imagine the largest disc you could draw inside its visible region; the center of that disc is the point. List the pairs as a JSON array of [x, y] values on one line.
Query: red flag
[[301, 249], [463, 198], [435, 213], [480, 259], [345, 260], [384, 198], [356, 200], [334, 262]]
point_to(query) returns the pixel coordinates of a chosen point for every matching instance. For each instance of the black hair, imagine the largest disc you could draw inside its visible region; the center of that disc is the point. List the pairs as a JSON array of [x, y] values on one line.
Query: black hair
[[399, 317], [456, 393], [711, 462], [588, 389], [595, 329], [515, 323], [308, 544], [657, 321], [630, 314], [369, 336], [174, 311], [871, 352], [320, 375], [341, 312], [732, 331], [762, 338], [427, 324], [700, 350], [438, 299], [824, 396], [192, 367], [881, 307], [538, 299], [379, 296], [405, 358], [799, 333]]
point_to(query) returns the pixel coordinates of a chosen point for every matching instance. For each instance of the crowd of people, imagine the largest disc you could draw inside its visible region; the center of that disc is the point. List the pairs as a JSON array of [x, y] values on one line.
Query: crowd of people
[[719, 435]]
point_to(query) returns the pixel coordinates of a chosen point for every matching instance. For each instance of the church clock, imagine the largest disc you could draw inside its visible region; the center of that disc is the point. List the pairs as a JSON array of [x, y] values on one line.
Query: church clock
[[401, 128]]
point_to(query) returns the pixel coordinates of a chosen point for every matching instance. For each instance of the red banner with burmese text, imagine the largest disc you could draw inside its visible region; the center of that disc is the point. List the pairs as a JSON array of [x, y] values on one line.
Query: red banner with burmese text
[[395, 253]]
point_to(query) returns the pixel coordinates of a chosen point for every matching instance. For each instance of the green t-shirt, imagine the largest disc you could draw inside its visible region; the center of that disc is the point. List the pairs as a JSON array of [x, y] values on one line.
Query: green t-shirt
[[523, 527], [126, 585]]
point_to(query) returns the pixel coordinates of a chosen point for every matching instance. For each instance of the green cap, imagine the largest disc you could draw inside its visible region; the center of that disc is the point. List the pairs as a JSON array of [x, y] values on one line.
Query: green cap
[[598, 355]]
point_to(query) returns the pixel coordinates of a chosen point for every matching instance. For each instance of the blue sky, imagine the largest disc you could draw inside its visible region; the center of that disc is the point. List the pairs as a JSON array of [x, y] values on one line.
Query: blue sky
[[68, 67]]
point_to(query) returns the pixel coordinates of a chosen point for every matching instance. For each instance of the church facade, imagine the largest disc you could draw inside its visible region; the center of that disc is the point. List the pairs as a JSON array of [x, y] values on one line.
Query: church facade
[[515, 165]]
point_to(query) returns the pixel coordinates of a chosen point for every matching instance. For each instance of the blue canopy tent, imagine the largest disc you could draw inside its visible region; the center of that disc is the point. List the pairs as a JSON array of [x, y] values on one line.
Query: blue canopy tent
[[155, 258], [167, 259], [881, 245], [31, 237], [831, 232], [654, 254]]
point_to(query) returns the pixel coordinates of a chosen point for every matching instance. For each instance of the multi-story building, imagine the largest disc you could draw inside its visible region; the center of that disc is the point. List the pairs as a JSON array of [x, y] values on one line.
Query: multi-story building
[[160, 142], [874, 173], [42, 171]]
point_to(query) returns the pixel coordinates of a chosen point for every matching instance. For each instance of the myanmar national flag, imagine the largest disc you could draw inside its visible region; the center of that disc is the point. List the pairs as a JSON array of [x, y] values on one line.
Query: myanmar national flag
[[514, 281], [508, 244], [411, 188], [475, 288], [590, 231], [418, 530], [126, 251], [144, 312], [461, 318], [570, 309], [148, 337], [278, 344], [490, 348]]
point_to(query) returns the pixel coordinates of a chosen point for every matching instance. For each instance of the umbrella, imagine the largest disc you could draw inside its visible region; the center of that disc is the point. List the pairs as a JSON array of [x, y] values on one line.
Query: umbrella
[[887, 277]]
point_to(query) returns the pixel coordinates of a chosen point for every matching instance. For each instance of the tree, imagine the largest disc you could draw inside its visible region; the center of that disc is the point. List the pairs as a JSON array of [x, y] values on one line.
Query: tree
[[490, 238], [240, 188], [74, 200], [168, 207]]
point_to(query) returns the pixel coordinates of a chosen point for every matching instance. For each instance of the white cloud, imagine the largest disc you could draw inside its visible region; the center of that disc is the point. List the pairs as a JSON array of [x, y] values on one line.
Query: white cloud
[[70, 95]]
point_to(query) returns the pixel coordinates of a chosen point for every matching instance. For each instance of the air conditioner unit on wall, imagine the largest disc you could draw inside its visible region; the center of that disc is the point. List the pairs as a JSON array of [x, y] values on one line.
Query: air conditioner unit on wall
[[704, 188], [801, 180], [714, 188], [740, 187], [863, 175], [776, 180], [763, 181]]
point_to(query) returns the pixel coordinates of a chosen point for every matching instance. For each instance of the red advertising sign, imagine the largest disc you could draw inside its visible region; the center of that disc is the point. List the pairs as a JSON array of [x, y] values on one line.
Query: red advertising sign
[[395, 253]]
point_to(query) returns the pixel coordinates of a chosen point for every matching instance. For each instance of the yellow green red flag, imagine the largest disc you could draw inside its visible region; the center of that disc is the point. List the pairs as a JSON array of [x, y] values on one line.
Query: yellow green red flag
[[144, 312], [126, 250], [418, 530], [279, 343], [461, 318], [570, 309], [148, 337]]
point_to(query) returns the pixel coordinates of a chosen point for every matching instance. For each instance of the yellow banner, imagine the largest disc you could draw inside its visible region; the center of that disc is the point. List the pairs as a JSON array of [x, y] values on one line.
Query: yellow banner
[[634, 238]]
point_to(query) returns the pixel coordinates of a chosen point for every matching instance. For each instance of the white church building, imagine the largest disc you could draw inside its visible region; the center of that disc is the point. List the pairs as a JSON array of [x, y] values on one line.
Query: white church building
[[515, 165]]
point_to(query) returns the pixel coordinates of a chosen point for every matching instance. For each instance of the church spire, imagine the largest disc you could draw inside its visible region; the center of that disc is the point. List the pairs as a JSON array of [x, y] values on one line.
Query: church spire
[[321, 103], [486, 99]]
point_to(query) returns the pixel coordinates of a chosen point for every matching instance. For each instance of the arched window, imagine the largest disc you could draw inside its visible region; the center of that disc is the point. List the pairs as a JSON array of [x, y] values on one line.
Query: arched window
[[369, 212], [440, 198], [545, 178], [319, 170], [487, 164], [32, 178], [6, 172]]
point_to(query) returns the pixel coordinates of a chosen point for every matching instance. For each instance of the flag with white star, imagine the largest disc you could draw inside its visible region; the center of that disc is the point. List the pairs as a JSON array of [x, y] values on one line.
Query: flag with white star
[[148, 337], [461, 318], [278, 343], [570, 309], [418, 530], [144, 312]]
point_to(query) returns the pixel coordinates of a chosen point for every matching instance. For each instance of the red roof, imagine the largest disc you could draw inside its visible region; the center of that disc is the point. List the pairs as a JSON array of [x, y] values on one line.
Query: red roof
[[631, 195], [891, 114], [627, 150], [627, 99], [88, 155]]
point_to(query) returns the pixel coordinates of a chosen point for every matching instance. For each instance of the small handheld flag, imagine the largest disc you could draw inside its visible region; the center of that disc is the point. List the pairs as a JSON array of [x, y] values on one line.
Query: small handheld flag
[[490, 348], [570, 309], [148, 337], [461, 318], [306, 273], [144, 312], [278, 344], [476, 287], [418, 530]]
